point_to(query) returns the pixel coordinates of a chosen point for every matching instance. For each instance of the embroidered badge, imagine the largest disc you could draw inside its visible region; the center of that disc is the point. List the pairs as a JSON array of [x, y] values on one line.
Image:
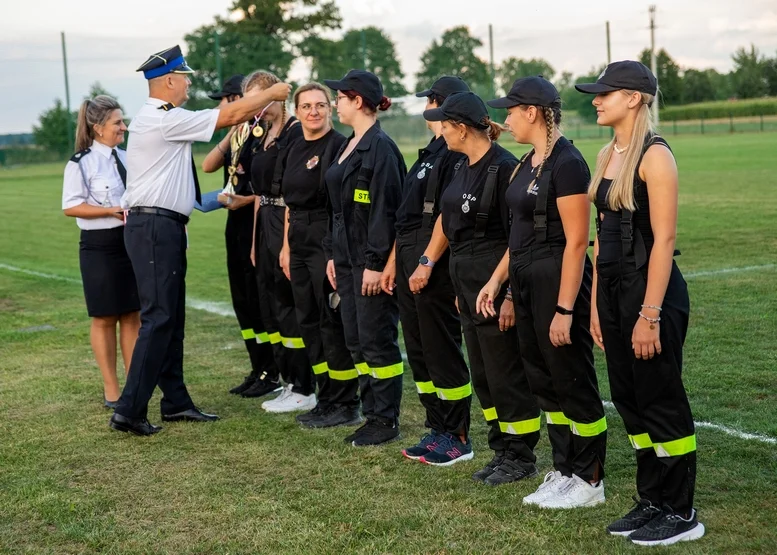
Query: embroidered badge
[[421, 174], [312, 163], [465, 206]]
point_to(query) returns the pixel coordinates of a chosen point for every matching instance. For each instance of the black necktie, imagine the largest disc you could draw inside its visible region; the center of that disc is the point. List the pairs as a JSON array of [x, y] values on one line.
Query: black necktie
[[197, 194], [120, 167]]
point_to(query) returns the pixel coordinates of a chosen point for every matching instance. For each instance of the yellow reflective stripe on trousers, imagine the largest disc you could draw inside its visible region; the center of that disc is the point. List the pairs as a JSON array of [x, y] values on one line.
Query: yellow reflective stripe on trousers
[[247, 334], [425, 387], [676, 448], [274, 338], [293, 342], [362, 369], [589, 430], [322, 368], [343, 375], [360, 195], [386, 372], [262, 337], [556, 418], [521, 427], [490, 414], [641, 441], [455, 393]]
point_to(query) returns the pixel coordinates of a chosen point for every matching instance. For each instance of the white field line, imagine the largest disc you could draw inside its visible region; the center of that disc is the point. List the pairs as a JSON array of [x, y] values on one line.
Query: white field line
[[225, 309]]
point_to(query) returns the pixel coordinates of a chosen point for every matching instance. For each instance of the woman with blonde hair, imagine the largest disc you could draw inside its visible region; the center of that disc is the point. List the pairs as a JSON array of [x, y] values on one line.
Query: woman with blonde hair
[[95, 180], [640, 317], [476, 222]]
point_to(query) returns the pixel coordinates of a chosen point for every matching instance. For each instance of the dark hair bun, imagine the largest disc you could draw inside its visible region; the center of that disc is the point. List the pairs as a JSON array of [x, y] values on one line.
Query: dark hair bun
[[385, 104]]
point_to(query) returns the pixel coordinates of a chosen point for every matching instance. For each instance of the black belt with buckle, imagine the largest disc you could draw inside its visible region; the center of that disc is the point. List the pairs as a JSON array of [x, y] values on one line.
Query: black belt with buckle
[[160, 212], [265, 200]]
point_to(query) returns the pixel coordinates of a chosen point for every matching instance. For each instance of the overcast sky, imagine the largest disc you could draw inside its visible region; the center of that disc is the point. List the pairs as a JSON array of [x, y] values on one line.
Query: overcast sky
[[106, 41]]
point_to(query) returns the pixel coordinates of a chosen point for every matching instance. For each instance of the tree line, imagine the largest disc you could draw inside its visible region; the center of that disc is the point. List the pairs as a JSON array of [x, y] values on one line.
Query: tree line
[[272, 34]]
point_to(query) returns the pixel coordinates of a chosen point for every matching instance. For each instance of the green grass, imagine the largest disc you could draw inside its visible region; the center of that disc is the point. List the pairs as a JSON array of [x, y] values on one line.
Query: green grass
[[257, 483]]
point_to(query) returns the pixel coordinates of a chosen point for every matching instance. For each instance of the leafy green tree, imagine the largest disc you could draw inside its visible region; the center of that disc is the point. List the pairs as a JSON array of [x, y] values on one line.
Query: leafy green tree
[[369, 48], [51, 131], [574, 101], [515, 68], [565, 81], [697, 86], [770, 73], [454, 54], [749, 75], [265, 34], [670, 85], [96, 89]]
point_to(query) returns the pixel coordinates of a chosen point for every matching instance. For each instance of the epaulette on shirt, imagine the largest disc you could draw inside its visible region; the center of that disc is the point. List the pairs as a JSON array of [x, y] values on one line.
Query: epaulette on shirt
[[80, 154], [167, 107]]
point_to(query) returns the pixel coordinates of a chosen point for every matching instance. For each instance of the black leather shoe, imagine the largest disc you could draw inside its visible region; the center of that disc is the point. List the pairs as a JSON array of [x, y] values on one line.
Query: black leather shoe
[[136, 426], [260, 388], [247, 382], [191, 415]]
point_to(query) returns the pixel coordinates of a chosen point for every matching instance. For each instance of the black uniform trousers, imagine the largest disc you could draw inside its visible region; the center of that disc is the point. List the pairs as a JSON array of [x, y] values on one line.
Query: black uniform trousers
[[563, 379], [371, 331], [649, 394], [320, 325], [494, 360], [432, 330], [156, 246], [245, 295], [277, 303]]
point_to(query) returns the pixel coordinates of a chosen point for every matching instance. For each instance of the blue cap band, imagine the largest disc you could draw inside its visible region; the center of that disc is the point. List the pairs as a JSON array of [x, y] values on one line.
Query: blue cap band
[[162, 70]]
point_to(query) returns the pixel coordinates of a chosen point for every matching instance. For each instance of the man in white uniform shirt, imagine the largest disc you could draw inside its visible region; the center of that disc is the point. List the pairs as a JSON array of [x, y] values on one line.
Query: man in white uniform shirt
[[162, 187]]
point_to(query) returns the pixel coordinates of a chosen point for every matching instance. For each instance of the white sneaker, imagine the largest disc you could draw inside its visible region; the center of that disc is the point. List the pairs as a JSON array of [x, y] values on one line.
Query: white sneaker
[[285, 392], [293, 402], [576, 492], [553, 481]]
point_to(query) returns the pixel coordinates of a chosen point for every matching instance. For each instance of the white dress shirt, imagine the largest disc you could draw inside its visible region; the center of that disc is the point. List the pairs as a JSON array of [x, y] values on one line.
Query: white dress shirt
[[94, 180], [159, 156]]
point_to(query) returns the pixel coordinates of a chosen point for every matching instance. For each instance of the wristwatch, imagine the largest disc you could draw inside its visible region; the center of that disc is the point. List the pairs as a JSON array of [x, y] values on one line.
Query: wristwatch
[[426, 261], [563, 311]]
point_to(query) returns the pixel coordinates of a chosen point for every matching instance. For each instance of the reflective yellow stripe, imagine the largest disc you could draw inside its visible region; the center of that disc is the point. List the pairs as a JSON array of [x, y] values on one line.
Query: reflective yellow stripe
[[343, 375], [521, 427], [362, 369], [386, 372], [275, 338], [425, 387], [589, 430], [641, 441], [322, 368], [490, 414], [248, 334], [557, 418], [262, 338], [455, 393], [360, 195], [676, 448], [293, 342]]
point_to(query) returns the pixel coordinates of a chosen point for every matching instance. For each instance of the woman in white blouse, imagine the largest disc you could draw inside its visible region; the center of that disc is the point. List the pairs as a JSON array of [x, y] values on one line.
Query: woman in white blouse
[[95, 179]]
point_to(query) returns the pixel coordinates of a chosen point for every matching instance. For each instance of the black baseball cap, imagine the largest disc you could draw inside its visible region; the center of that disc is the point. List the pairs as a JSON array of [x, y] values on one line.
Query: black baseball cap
[[628, 75], [464, 107], [232, 86], [529, 91], [444, 87], [363, 82]]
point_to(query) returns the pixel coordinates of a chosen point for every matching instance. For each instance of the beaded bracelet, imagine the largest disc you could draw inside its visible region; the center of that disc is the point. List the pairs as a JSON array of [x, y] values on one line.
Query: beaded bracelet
[[652, 321], [658, 308]]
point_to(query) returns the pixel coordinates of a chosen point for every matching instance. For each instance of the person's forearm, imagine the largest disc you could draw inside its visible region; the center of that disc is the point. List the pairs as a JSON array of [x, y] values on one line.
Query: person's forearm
[[659, 270], [572, 265], [286, 229], [502, 271], [89, 212], [595, 276], [215, 158], [243, 109], [438, 244]]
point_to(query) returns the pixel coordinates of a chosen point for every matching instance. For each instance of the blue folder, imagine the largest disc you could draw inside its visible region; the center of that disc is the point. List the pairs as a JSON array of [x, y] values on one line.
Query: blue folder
[[209, 202]]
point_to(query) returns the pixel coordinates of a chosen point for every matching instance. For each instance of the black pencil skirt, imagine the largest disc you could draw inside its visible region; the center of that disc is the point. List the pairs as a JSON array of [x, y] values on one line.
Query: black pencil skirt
[[106, 272]]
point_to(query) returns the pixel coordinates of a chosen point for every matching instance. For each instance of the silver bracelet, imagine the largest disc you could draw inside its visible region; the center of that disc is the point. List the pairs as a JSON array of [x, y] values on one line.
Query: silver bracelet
[[651, 320], [658, 308]]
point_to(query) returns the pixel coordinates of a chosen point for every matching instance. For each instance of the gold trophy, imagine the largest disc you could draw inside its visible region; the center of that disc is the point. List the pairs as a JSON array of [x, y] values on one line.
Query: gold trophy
[[236, 143]]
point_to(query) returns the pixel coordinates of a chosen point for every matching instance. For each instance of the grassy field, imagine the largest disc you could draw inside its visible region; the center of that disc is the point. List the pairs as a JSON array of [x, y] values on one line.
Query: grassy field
[[257, 483]]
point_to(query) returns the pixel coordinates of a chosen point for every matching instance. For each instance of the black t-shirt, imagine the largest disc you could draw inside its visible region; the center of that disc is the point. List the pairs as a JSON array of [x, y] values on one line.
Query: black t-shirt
[[410, 213], [569, 175], [263, 162], [334, 181], [461, 201], [302, 188]]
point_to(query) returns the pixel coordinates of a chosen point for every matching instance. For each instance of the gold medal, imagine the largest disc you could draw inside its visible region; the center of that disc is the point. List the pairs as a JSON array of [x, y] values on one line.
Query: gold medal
[[231, 170], [234, 180], [258, 131]]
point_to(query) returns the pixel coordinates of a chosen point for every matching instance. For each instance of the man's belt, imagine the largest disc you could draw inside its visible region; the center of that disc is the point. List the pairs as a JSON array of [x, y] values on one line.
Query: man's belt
[[160, 212], [265, 200]]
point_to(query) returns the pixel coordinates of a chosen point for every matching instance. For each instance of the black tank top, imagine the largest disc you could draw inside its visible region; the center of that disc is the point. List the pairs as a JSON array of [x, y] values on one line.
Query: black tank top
[[610, 244]]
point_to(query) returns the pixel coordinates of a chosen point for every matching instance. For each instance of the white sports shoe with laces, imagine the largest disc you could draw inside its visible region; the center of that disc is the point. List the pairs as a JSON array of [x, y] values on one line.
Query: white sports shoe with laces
[[285, 392], [553, 481], [575, 493], [292, 402]]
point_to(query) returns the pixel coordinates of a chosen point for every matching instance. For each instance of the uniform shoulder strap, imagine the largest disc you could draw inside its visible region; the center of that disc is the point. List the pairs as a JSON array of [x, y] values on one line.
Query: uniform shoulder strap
[[326, 160], [282, 144], [487, 196], [77, 157], [167, 107], [543, 185], [432, 193]]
